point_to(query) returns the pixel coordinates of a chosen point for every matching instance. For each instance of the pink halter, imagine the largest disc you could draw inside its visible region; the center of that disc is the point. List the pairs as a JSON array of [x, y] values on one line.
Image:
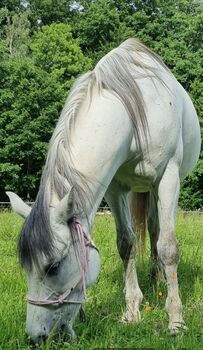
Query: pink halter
[[61, 299]]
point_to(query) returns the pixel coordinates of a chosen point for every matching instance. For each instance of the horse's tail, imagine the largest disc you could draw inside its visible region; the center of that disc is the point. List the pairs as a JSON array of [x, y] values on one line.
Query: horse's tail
[[139, 212]]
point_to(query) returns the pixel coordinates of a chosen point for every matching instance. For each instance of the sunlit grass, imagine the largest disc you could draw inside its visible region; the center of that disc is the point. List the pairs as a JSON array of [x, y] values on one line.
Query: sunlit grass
[[105, 302]]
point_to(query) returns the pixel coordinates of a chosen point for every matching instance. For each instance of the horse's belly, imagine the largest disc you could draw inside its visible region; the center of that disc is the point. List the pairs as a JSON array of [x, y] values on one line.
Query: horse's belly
[[137, 177]]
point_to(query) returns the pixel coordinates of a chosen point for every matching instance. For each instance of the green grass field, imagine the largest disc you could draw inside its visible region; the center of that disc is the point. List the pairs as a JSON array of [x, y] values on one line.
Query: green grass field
[[105, 302]]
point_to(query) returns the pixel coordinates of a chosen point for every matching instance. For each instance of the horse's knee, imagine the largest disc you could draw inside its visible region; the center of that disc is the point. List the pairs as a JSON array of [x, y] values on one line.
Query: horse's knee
[[168, 250]]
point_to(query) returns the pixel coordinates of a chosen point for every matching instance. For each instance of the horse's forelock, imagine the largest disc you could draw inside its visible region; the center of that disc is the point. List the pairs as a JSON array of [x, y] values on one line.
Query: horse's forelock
[[36, 238]]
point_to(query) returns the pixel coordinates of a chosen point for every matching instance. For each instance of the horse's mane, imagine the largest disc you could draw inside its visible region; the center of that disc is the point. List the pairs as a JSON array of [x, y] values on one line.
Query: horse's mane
[[117, 73]]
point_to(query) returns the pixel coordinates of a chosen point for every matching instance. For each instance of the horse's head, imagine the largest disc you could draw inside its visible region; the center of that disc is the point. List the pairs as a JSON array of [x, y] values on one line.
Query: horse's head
[[58, 278]]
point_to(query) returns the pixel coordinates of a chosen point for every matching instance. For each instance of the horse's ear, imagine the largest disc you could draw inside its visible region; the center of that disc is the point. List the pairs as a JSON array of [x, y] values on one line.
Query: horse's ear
[[64, 210], [18, 205]]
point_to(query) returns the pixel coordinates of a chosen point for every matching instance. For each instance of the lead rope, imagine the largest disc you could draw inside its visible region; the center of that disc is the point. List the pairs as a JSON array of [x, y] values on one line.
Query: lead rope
[[84, 242]]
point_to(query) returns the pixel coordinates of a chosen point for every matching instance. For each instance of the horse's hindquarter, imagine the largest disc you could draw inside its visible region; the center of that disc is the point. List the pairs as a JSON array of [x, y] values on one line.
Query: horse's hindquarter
[[164, 122], [190, 135], [173, 135], [106, 146]]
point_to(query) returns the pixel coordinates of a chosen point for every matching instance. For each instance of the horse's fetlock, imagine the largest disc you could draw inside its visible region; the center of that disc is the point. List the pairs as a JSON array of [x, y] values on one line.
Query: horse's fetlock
[[134, 297], [173, 305]]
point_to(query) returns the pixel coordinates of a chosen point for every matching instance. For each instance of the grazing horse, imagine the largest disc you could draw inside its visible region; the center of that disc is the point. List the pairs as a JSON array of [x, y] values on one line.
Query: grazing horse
[[129, 132]]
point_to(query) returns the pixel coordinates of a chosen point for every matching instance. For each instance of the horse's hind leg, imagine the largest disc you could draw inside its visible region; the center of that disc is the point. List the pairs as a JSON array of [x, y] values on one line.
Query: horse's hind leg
[[153, 228], [118, 202], [167, 246]]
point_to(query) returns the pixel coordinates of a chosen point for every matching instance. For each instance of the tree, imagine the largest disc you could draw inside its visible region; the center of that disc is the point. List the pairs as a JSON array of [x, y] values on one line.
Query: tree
[[57, 53], [191, 196], [13, 6], [30, 103], [17, 32], [98, 27], [47, 12], [39, 62], [32, 92]]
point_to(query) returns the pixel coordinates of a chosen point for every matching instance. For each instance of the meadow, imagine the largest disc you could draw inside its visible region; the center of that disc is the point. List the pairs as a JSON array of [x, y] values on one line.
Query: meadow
[[105, 301]]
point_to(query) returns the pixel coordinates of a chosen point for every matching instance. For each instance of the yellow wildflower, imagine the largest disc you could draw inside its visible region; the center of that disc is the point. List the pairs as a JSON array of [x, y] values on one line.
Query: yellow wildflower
[[147, 308]]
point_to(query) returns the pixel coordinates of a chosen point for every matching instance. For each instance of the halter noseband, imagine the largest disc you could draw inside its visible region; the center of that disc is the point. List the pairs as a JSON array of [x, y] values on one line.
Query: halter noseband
[[61, 299]]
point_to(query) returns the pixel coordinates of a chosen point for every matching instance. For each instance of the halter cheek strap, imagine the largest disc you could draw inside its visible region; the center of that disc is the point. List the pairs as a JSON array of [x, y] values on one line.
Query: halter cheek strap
[[60, 299]]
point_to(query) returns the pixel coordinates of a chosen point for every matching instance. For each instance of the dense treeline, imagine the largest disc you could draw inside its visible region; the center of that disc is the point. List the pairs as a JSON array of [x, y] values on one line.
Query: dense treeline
[[46, 44]]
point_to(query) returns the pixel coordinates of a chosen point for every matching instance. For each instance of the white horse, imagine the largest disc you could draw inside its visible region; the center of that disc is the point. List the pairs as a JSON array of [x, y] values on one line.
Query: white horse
[[128, 131]]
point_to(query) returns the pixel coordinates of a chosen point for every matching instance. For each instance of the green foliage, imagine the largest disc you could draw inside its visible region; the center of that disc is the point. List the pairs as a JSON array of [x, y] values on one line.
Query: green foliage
[[46, 12], [98, 26], [45, 44], [3, 51], [192, 189], [32, 94], [17, 34], [9, 173], [13, 6], [26, 127], [56, 52]]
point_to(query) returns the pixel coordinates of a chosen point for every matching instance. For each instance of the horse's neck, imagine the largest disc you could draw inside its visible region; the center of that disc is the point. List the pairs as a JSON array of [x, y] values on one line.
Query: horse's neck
[[100, 143]]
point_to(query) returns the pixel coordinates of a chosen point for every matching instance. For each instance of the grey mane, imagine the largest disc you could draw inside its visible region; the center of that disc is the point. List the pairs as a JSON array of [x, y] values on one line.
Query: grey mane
[[115, 72]]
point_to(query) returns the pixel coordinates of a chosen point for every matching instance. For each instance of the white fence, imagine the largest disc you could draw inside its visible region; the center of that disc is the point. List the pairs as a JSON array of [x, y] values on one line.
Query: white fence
[[104, 210], [7, 205]]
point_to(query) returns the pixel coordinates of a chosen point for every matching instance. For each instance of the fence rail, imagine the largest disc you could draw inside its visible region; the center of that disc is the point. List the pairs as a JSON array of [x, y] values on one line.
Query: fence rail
[[101, 209]]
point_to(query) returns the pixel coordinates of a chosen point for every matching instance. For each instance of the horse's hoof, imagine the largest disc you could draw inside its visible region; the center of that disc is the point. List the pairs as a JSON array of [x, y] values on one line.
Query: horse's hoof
[[131, 317], [177, 328]]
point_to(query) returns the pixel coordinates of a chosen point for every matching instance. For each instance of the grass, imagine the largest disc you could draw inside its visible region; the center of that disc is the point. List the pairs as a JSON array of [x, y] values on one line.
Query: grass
[[105, 303]]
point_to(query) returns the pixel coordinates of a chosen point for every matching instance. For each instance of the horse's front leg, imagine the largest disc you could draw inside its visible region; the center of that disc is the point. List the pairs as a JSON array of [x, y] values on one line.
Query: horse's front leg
[[133, 294], [126, 243], [167, 246]]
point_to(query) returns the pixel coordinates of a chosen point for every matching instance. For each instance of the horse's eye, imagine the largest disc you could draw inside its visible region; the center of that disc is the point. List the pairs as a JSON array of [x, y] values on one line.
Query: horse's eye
[[70, 221], [52, 269]]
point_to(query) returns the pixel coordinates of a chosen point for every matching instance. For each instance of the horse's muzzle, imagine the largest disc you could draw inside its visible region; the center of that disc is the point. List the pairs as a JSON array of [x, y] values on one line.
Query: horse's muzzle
[[64, 332]]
